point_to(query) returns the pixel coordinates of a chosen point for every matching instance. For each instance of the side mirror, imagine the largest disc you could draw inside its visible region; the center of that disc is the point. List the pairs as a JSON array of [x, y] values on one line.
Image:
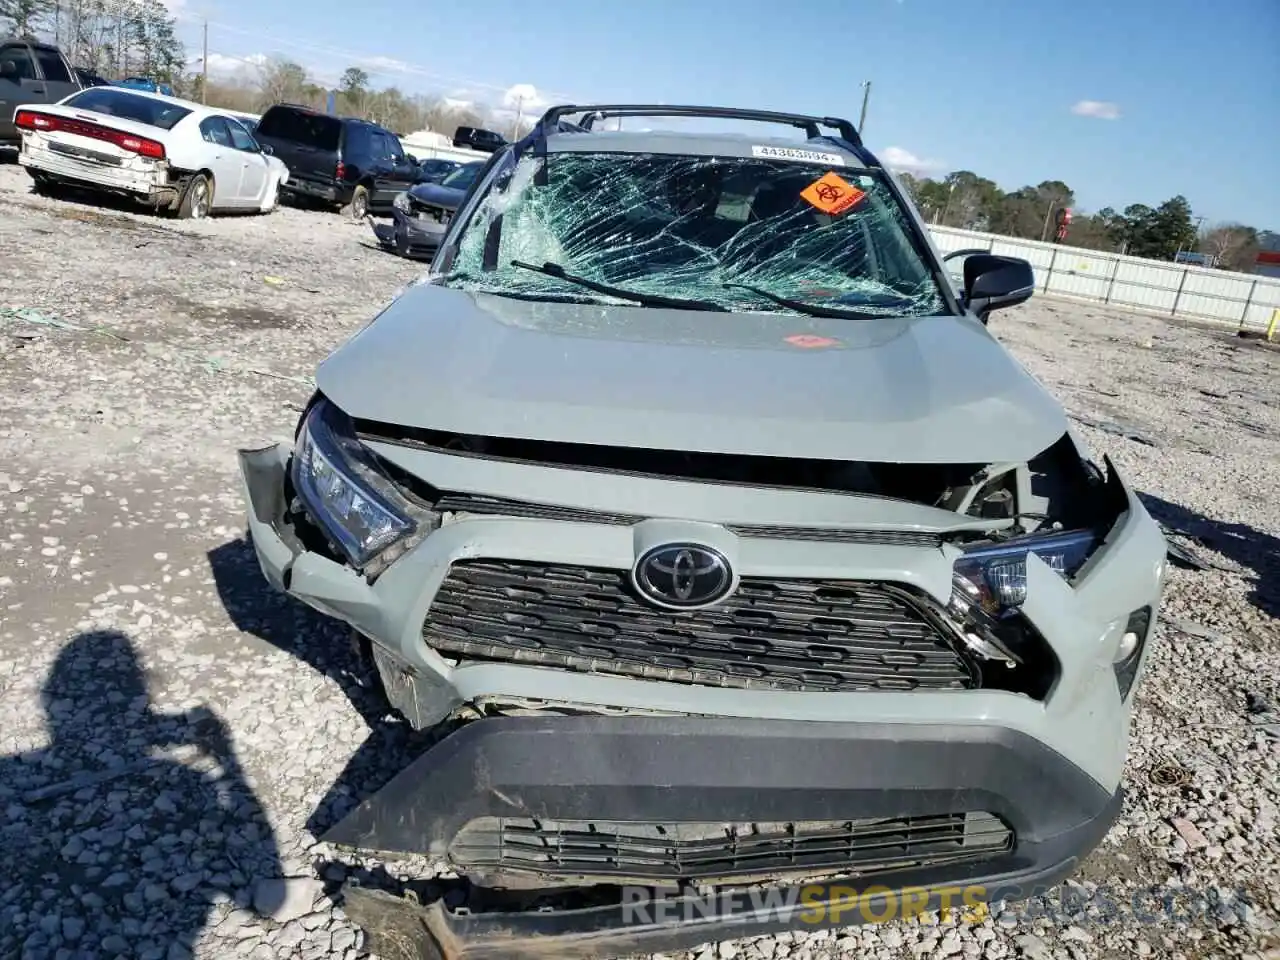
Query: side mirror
[[266, 148], [992, 282]]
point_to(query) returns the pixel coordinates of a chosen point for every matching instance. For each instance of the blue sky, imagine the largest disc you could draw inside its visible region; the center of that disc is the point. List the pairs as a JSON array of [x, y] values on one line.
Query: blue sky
[[990, 86]]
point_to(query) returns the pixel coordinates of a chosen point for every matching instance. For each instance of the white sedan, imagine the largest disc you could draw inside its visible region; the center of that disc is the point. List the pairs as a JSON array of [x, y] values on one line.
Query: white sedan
[[168, 153]]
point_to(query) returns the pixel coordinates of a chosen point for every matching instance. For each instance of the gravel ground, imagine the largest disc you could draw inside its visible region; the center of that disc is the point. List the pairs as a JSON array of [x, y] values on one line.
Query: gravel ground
[[173, 735]]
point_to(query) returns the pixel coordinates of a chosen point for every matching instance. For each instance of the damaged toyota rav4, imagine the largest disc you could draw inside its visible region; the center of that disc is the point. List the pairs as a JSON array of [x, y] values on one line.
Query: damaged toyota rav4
[[735, 567]]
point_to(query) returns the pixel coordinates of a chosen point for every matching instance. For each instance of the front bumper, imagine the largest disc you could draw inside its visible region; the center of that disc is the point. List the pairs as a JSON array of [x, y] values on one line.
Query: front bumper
[[672, 769], [417, 237], [1049, 769], [423, 233]]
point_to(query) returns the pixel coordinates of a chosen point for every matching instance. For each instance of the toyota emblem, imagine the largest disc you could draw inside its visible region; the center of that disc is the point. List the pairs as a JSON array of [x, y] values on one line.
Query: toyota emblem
[[683, 575]]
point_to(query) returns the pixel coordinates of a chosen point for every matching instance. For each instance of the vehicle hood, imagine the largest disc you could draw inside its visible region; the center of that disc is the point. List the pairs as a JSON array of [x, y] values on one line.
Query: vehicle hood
[[923, 390], [437, 195]]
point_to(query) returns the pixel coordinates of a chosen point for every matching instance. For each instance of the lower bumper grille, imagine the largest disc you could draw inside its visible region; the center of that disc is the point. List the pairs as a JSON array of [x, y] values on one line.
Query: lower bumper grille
[[814, 635], [723, 852]]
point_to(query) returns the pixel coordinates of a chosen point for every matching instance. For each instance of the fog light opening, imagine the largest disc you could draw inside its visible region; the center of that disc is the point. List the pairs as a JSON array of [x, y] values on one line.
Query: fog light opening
[[1128, 654]]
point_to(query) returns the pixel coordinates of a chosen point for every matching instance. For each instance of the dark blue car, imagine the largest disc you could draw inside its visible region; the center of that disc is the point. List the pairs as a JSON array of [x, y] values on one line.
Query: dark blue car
[[421, 215]]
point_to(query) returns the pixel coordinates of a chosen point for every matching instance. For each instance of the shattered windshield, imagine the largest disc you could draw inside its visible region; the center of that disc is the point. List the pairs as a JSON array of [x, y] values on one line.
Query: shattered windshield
[[738, 234]]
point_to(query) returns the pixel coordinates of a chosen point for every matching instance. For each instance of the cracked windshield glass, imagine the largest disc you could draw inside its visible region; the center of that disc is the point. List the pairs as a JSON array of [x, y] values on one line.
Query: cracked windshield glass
[[717, 233]]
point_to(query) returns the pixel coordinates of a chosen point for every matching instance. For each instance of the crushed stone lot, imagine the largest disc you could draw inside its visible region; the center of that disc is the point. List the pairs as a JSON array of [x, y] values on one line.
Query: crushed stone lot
[[173, 735]]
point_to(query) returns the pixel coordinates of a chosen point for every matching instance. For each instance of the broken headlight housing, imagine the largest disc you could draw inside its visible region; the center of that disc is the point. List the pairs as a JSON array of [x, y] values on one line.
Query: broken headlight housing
[[344, 490], [989, 584], [994, 576]]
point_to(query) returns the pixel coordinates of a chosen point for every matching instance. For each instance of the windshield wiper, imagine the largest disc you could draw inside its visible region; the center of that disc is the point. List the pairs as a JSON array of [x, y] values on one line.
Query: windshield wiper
[[810, 309], [644, 299]]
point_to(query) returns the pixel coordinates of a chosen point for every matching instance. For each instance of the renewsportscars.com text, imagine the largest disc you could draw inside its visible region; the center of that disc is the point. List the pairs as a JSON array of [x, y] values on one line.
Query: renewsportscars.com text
[[823, 904]]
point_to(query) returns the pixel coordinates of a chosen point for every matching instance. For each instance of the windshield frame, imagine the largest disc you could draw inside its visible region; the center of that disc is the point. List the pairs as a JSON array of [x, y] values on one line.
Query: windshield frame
[[502, 164]]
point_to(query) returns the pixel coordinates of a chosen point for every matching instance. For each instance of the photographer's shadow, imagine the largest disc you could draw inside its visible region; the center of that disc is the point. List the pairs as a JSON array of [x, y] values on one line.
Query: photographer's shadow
[[329, 648], [323, 644], [107, 846]]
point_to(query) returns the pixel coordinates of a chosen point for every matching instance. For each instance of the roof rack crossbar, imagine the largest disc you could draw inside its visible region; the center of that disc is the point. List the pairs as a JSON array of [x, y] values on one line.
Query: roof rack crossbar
[[811, 125]]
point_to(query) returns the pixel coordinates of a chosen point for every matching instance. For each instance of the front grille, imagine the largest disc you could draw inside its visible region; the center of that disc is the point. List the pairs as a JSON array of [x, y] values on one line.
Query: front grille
[[720, 852], [499, 506], [818, 635], [427, 211]]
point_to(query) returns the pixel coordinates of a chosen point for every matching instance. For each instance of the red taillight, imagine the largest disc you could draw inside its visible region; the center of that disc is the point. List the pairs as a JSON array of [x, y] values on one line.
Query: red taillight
[[340, 171], [47, 123], [143, 147], [29, 120]]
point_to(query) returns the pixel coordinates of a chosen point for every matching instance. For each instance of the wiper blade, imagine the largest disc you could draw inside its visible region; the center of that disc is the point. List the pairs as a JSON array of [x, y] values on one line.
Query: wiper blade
[[810, 309], [644, 299]]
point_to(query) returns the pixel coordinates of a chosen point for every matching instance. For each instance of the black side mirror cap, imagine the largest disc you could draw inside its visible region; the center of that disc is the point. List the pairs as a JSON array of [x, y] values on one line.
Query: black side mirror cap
[[993, 282]]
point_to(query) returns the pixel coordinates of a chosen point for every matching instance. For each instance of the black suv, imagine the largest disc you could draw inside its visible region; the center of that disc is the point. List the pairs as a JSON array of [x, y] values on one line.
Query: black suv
[[477, 139], [343, 162]]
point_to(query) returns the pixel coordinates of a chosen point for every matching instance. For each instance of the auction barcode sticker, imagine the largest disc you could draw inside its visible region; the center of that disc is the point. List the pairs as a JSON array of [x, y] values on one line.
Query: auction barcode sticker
[[797, 154]]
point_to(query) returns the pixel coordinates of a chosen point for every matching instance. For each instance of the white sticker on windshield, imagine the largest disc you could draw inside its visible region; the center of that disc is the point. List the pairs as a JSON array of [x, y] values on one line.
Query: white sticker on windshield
[[797, 154]]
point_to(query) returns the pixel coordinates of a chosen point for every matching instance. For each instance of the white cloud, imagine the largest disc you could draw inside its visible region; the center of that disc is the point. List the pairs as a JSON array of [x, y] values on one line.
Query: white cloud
[[223, 66], [1098, 109], [896, 158], [523, 96], [386, 65]]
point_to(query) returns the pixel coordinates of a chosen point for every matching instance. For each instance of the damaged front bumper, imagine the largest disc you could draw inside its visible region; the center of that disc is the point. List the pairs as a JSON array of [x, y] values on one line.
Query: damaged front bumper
[[410, 235], [1044, 771], [672, 770]]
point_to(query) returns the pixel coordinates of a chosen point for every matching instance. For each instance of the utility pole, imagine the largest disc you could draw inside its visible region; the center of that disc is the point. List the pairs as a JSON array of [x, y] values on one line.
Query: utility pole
[[947, 206], [515, 130], [1195, 242], [204, 66], [1044, 231], [866, 95]]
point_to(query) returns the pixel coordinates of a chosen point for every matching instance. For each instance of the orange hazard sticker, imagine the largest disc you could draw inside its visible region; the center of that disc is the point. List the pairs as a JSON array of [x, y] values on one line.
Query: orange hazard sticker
[[809, 341], [832, 194]]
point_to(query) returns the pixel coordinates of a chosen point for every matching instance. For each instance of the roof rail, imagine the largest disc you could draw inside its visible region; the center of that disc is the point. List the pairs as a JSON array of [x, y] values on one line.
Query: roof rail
[[591, 112]]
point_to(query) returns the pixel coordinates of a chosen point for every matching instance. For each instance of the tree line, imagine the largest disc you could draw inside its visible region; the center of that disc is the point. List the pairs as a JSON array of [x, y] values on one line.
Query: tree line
[[116, 38], [258, 86], [965, 200]]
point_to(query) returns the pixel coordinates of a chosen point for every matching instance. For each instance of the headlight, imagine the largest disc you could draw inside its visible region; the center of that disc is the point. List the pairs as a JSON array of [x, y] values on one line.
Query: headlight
[[995, 575], [343, 489], [401, 202]]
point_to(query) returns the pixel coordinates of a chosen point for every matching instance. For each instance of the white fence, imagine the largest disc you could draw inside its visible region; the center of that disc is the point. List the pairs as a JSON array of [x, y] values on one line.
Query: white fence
[[1155, 286], [425, 149]]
